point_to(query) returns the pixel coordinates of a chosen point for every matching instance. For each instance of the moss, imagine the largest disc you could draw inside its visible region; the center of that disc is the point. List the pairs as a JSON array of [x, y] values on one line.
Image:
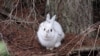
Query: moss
[[3, 51]]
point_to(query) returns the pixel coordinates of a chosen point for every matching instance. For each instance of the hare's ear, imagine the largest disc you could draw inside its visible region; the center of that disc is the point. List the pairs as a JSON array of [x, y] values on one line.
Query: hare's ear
[[48, 17], [53, 18]]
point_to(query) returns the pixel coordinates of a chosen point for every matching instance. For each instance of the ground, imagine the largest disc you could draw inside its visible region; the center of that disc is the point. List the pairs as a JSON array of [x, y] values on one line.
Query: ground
[[22, 41]]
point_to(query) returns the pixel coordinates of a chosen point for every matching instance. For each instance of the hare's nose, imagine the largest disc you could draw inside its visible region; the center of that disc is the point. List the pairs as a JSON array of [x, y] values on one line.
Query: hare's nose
[[47, 31]]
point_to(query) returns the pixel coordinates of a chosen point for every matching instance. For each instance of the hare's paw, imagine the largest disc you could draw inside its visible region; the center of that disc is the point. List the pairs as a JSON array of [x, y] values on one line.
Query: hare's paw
[[49, 48], [57, 44]]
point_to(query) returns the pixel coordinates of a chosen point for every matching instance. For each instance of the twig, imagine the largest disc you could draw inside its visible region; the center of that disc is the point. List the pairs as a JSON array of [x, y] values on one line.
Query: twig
[[7, 14], [83, 33], [95, 40], [80, 41], [86, 49], [15, 18]]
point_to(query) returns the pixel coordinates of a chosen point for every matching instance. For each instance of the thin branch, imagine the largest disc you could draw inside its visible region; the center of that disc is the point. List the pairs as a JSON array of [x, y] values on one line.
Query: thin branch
[[15, 18], [95, 40], [83, 33]]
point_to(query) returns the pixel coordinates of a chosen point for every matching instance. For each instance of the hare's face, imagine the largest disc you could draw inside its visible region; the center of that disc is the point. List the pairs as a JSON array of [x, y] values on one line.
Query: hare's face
[[47, 30], [46, 27]]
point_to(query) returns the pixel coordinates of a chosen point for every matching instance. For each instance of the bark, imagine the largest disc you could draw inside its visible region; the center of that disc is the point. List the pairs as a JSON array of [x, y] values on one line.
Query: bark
[[74, 15]]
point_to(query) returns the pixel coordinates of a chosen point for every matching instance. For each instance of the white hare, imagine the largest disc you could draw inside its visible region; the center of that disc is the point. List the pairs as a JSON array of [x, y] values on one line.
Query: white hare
[[50, 33]]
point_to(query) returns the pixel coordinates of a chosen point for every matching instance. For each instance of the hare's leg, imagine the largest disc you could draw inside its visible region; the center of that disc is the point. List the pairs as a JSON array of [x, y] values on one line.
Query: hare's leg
[[57, 44], [49, 48]]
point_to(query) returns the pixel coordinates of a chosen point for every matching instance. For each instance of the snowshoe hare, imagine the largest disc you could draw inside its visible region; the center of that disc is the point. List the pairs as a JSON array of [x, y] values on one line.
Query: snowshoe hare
[[50, 33]]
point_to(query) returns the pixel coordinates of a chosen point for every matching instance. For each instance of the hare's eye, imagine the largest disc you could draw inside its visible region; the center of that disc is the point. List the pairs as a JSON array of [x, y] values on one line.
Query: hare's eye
[[44, 29], [51, 30]]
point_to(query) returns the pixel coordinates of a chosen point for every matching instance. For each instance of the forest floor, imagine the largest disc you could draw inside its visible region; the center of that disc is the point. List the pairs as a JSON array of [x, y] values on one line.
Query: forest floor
[[22, 41]]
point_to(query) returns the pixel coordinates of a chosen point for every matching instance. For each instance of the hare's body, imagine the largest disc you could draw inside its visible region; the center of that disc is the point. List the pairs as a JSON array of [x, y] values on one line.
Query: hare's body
[[50, 34]]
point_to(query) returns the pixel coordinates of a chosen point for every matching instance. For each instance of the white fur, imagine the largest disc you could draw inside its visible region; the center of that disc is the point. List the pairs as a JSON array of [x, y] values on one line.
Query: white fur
[[47, 37]]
